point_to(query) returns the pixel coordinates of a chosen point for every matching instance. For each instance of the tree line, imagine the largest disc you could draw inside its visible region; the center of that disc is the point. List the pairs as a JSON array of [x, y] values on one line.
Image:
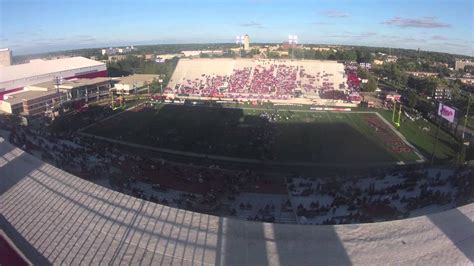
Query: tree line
[[138, 65]]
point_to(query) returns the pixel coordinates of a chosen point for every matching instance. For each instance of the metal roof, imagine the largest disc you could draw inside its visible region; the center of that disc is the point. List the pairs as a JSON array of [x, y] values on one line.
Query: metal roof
[[40, 67], [72, 83], [27, 95], [136, 78]]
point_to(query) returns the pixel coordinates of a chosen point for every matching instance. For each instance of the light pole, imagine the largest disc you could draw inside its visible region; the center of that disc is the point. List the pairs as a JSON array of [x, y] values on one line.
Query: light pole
[[161, 87], [57, 82], [292, 40], [122, 98], [239, 39], [112, 103], [467, 115], [135, 91], [86, 96], [148, 89], [437, 135]]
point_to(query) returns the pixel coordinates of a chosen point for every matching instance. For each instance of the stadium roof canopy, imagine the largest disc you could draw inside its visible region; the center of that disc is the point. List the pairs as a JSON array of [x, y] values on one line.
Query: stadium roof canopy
[[55, 217], [40, 67], [71, 83], [27, 95], [138, 78]]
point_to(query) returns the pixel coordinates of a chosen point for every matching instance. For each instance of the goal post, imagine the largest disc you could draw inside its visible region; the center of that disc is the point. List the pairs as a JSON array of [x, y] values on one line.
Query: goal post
[[396, 118]]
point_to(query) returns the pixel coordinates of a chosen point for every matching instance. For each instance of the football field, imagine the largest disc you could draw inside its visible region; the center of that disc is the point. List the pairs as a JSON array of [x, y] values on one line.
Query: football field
[[348, 138]]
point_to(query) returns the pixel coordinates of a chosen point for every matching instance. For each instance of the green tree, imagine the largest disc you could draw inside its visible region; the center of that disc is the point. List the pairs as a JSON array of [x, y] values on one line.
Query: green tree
[[460, 156], [253, 52], [469, 69], [272, 54], [362, 73], [364, 56], [412, 99], [371, 85], [346, 55]]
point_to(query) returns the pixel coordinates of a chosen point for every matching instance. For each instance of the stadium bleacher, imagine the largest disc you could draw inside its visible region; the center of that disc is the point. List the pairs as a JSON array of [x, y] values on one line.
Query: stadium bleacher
[[260, 79]]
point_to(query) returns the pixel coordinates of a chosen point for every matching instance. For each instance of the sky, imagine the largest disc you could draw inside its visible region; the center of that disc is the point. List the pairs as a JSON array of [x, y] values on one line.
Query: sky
[[34, 26]]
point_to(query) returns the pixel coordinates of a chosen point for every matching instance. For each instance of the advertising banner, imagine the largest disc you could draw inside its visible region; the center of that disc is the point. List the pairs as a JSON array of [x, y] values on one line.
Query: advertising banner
[[446, 112]]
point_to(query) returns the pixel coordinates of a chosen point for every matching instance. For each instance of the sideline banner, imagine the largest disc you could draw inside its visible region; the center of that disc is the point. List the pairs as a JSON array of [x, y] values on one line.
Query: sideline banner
[[446, 112]]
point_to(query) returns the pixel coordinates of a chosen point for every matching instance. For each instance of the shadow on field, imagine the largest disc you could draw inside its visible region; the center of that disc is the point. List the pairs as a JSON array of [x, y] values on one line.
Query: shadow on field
[[230, 132], [442, 155]]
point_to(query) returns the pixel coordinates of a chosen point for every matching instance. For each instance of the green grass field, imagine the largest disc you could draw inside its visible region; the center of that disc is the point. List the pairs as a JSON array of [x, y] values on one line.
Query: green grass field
[[292, 136], [422, 135]]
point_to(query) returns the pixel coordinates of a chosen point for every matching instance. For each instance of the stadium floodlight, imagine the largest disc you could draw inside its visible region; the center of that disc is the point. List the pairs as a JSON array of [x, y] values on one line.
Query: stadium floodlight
[[161, 86], [292, 39], [239, 39]]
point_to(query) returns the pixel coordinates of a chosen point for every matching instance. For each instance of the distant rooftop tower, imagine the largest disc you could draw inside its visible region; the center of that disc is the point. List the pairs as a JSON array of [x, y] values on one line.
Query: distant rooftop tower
[[246, 42], [5, 57]]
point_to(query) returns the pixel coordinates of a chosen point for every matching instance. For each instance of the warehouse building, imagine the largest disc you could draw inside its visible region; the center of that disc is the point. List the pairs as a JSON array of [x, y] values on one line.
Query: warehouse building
[[16, 77], [84, 90], [37, 99], [29, 103]]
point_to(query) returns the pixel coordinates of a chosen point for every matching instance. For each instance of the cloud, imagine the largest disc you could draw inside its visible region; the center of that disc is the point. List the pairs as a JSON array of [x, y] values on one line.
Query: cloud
[[353, 35], [335, 14], [411, 40], [424, 22], [86, 40], [43, 43], [454, 44], [83, 38], [367, 34], [439, 38], [251, 24]]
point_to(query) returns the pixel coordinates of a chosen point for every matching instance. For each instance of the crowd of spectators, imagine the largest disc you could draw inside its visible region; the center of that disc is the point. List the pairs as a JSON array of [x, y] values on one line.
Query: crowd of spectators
[[275, 80], [184, 185], [207, 187], [383, 197]]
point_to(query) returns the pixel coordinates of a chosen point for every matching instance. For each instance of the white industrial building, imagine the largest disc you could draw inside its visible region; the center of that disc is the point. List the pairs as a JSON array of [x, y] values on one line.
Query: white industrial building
[[16, 77]]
